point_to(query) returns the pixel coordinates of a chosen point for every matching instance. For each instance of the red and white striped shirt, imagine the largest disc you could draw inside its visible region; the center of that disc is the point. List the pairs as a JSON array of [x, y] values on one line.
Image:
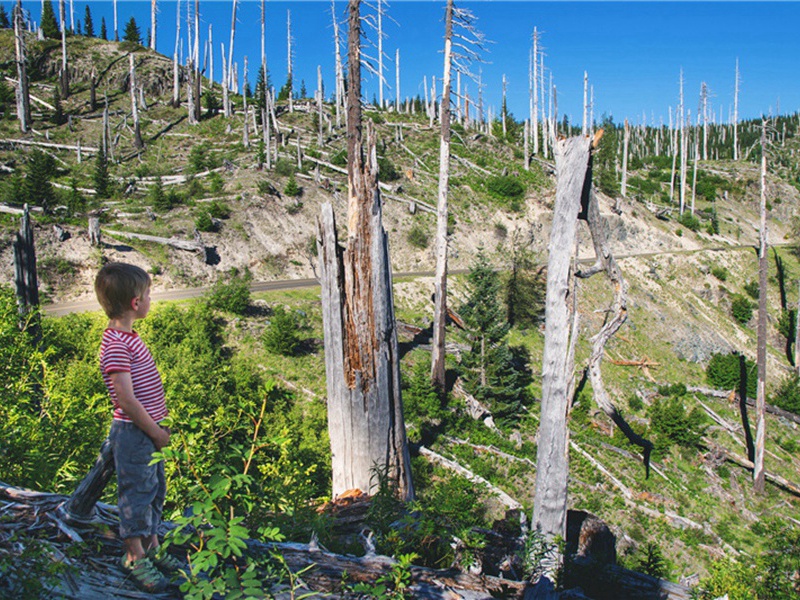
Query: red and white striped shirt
[[125, 352]]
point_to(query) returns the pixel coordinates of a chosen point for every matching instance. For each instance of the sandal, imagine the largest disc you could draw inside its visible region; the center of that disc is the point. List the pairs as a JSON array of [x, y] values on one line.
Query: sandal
[[145, 575], [165, 562]]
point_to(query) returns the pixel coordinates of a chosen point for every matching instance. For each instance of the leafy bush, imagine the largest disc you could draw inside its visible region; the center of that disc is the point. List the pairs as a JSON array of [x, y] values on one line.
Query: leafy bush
[[690, 221], [722, 373], [282, 336], [720, 273], [219, 210], [751, 289], [203, 222], [741, 309], [505, 187], [232, 295], [292, 189], [418, 236], [673, 424], [285, 167], [787, 396], [386, 170]]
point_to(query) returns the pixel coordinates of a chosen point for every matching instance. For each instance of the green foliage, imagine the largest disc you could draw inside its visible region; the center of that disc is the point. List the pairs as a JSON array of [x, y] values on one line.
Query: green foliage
[[506, 188], [28, 568], [212, 103], [292, 189], [787, 396], [5, 23], [720, 273], [76, 202], [418, 236], [651, 561], [722, 373], [49, 24], [219, 210], [282, 336], [741, 309], [392, 585], [387, 170], [103, 31], [7, 98], [673, 424], [132, 32], [58, 115], [339, 158], [421, 400], [523, 287], [751, 289], [285, 167], [203, 222], [605, 158], [232, 295], [200, 159], [88, 23], [37, 189], [215, 183], [493, 372], [690, 221]]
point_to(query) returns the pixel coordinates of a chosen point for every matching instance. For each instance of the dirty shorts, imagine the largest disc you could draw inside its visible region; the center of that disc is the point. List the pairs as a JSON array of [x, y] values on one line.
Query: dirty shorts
[[141, 486]]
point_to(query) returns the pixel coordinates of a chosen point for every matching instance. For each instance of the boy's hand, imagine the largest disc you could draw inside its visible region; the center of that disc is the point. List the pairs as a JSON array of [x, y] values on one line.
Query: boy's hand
[[161, 438]]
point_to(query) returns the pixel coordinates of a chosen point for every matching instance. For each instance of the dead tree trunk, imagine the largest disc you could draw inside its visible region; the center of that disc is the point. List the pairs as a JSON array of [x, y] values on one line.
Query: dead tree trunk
[[229, 80], [736, 114], [80, 506], [23, 93], [339, 72], [245, 127], [153, 19], [440, 279], [289, 60], [550, 502], [176, 71], [64, 75], [226, 104], [25, 277], [761, 350], [625, 142], [138, 142], [365, 412], [93, 91]]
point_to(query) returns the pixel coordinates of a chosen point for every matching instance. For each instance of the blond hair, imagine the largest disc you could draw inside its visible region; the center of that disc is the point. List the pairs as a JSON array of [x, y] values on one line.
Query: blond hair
[[117, 284]]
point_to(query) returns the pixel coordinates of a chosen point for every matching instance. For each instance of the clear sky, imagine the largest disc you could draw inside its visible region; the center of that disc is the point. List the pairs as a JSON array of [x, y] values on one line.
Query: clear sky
[[633, 52]]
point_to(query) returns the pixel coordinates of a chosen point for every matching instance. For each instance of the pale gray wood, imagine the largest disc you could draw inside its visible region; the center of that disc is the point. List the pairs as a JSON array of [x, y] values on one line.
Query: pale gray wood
[[625, 142], [289, 61], [176, 84], [138, 142], [22, 90], [64, 74], [80, 507], [25, 275], [550, 502], [153, 21], [440, 277], [761, 346]]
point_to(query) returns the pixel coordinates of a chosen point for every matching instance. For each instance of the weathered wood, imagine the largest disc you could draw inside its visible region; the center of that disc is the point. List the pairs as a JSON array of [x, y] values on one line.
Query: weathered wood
[[80, 507], [15, 142], [137, 134], [25, 276], [22, 89], [550, 504], [776, 480], [192, 246], [761, 345]]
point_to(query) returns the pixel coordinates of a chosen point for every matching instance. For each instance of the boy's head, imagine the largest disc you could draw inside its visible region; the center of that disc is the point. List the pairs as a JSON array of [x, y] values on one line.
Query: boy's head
[[117, 284]]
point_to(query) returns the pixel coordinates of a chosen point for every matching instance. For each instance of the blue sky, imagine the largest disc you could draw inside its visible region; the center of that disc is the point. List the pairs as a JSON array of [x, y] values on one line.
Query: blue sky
[[633, 51]]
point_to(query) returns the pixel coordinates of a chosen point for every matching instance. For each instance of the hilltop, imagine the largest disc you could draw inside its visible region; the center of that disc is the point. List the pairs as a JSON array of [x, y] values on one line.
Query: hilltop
[[683, 277]]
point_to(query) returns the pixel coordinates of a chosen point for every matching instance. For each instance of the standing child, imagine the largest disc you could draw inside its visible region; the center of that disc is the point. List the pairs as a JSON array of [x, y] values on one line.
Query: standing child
[[134, 384]]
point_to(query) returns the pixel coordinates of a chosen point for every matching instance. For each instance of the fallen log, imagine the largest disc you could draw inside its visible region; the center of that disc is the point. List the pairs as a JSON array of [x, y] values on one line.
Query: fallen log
[[774, 479], [732, 396], [192, 246]]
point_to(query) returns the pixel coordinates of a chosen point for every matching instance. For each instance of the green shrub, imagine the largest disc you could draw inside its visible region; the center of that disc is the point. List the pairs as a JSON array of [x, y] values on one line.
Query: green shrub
[[418, 236], [720, 273], [751, 289], [690, 221], [505, 187], [787, 396], [219, 210], [232, 295], [203, 222], [282, 336], [386, 170], [741, 309], [292, 189], [339, 158], [215, 183], [285, 167], [722, 373], [673, 424]]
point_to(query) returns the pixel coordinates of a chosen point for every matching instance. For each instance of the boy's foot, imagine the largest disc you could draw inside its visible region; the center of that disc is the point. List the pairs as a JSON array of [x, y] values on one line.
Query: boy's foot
[[165, 562], [145, 575]]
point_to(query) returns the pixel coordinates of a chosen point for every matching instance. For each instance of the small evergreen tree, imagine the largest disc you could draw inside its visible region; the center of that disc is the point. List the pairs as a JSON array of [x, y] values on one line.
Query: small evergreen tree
[[282, 336], [37, 189], [88, 22], [284, 92], [605, 159], [303, 92], [292, 189], [49, 24], [102, 179], [493, 372], [261, 94], [132, 32], [103, 30], [232, 295], [76, 202], [4, 21]]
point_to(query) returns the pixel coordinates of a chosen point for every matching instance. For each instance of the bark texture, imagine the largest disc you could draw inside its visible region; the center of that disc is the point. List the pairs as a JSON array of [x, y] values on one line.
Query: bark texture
[[365, 413]]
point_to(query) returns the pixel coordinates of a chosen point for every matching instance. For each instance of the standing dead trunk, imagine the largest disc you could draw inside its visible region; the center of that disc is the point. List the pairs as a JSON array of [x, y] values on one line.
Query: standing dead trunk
[[137, 134], [153, 19], [365, 412], [191, 99], [93, 90], [397, 80], [25, 276], [245, 128], [761, 349], [289, 61], [797, 333], [176, 72], [64, 75], [229, 80], [440, 279], [625, 142], [319, 105], [682, 129], [226, 104], [339, 73], [23, 94], [736, 114], [585, 125], [550, 502]]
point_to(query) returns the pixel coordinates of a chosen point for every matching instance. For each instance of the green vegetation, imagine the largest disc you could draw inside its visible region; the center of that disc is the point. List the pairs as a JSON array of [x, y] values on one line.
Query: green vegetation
[[232, 296], [723, 371], [282, 336], [741, 309]]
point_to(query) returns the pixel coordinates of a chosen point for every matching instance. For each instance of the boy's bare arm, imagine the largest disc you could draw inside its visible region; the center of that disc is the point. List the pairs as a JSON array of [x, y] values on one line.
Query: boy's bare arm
[[123, 387]]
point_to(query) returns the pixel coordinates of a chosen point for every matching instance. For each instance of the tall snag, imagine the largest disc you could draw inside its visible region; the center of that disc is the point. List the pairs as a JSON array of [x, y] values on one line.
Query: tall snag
[[550, 502], [761, 347], [23, 93], [365, 412], [25, 276]]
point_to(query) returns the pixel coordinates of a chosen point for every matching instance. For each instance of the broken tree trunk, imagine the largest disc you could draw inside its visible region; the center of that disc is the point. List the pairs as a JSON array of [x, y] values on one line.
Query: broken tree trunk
[[365, 411], [440, 279], [23, 93], [80, 507], [64, 74], [761, 347], [25, 277], [137, 134], [618, 313], [550, 502]]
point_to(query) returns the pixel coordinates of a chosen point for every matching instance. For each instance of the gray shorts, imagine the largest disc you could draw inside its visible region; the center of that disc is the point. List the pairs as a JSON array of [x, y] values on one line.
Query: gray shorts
[[142, 487]]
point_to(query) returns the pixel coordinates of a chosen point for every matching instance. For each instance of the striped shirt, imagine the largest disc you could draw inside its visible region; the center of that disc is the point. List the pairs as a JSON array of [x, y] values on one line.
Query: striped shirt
[[125, 352]]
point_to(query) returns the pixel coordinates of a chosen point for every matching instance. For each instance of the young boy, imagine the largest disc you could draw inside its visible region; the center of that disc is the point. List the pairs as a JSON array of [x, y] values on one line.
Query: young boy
[[134, 384]]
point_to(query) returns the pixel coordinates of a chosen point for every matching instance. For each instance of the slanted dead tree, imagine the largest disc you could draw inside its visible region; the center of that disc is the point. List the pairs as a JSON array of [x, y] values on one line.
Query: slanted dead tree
[[23, 92], [550, 501], [365, 411], [467, 41]]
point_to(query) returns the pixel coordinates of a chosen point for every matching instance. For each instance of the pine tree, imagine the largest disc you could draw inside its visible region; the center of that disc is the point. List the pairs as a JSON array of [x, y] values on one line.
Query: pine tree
[[49, 24], [132, 32], [88, 22], [493, 372], [102, 180], [103, 30], [261, 94], [283, 334], [37, 189], [5, 23]]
